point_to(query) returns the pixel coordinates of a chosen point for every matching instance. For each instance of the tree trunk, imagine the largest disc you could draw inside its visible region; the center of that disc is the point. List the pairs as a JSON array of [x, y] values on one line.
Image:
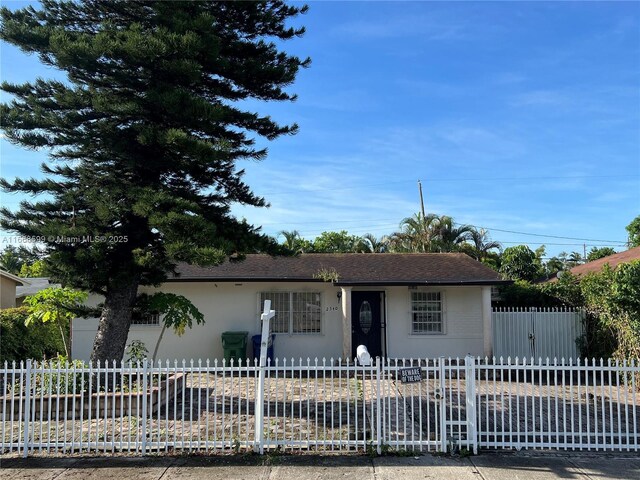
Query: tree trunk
[[67, 353], [113, 329], [155, 350]]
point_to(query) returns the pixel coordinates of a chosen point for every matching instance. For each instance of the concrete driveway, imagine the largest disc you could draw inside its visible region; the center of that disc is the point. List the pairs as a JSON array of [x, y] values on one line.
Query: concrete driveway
[[488, 466]]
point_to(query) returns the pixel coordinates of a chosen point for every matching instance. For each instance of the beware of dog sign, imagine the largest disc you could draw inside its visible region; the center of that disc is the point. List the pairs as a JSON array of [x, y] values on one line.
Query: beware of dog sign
[[411, 375]]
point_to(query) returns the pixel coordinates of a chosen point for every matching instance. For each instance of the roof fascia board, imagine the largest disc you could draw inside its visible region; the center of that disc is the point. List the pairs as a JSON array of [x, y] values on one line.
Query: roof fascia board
[[402, 283], [13, 277]]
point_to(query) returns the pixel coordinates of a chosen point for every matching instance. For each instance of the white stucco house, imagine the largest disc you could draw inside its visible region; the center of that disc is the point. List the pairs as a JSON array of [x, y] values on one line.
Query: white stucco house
[[398, 305]]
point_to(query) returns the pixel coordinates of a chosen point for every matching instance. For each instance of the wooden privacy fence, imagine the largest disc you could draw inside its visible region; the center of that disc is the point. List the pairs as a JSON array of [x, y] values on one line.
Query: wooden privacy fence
[[537, 332], [415, 404]]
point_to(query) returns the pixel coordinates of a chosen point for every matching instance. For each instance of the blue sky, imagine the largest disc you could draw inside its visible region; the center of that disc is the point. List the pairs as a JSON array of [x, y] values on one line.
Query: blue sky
[[518, 117]]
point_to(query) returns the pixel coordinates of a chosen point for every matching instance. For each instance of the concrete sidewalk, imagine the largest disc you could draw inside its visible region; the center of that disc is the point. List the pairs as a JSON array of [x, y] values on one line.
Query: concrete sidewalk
[[488, 466]]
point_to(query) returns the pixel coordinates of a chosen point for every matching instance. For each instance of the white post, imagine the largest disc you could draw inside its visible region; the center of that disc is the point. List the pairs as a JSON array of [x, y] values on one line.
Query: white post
[[346, 323], [267, 315], [470, 380], [27, 409], [487, 327], [443, 406], [378, 407], [145, 394]]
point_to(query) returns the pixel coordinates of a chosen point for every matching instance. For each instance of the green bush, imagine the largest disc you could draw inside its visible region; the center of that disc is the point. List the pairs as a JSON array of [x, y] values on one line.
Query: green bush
[[610, 299], [18, 342], [49, 380]]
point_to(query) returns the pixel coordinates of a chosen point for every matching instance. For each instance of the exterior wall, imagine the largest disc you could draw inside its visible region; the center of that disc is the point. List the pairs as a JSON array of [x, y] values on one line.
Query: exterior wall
[[227, 307], [7, 293], [463, 325]]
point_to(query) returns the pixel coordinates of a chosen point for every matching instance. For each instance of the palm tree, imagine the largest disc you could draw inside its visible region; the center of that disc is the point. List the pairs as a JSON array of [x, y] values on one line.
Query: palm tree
[[415, 235], [372, 244], [448, 237], [481, 244], [290, 238], [294, 242]]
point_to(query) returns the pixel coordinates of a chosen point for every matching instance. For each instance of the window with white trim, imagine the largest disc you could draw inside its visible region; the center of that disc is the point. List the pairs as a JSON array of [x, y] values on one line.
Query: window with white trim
[[426, 313], [296, 312]]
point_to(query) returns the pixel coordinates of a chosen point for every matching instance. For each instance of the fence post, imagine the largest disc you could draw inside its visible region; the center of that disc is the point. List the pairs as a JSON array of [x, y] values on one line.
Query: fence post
[[27, 409], [266, 316], [145, 385], [259, 447], [470, 390], [443, 406], [378, 412]]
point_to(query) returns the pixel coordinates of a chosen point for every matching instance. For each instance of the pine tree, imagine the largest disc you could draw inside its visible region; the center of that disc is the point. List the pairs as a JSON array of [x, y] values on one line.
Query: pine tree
[[144, 137]]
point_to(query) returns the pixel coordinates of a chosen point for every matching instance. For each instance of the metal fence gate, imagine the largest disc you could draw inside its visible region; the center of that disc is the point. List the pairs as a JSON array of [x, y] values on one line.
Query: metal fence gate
[[435, 414], [537, 332]]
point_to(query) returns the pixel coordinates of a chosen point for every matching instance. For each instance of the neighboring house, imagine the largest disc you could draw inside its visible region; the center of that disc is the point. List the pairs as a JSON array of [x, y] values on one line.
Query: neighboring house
[[612, 260], [398, 305], [35, 285], [8, 284]]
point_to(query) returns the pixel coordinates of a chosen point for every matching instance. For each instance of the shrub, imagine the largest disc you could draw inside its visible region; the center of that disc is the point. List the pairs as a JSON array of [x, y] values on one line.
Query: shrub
[[38, 341], [57, 376]]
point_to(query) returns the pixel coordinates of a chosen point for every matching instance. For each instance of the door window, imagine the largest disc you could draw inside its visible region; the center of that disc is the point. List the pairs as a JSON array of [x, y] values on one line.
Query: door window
[[365, 317]]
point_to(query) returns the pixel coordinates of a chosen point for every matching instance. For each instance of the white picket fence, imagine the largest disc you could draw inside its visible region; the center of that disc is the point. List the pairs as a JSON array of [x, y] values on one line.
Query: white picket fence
[[329, 405], [537, 332]]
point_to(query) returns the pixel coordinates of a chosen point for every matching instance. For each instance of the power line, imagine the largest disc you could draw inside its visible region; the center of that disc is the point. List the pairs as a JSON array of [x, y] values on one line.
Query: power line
[[384, 229], [546, 236], [566, 244], [377, 226]]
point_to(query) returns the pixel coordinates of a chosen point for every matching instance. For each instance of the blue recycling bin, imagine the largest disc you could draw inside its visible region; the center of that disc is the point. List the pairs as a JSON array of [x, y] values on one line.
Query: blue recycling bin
[[257, 340]]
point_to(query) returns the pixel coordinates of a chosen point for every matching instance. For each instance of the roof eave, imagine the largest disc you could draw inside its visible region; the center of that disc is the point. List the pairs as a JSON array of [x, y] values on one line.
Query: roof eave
[[360, 283], [243, 279], [414, 283], [11, 276]]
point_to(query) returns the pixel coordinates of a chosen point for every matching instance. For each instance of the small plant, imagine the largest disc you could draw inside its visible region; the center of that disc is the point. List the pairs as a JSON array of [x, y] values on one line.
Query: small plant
[[402, 452], [358, 389], [137, 351], [371, 450], [236, 444], [273, 457], [273, 424], [133, 422], [50, 380], [388, 450], [327, 275], [465, 452]]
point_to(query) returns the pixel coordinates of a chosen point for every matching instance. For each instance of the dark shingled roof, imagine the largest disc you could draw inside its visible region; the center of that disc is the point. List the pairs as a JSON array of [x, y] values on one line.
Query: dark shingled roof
[[352, 269]]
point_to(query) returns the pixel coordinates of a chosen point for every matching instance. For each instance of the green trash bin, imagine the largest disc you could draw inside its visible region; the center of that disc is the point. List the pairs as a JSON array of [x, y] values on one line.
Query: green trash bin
[[235, 345]]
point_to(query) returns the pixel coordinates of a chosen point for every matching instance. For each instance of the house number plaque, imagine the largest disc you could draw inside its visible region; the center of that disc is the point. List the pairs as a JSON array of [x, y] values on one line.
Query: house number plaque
[[410, 375]]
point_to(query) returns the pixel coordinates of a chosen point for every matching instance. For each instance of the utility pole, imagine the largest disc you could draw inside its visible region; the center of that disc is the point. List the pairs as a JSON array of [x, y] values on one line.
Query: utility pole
[[584, 248], [421, 200]]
